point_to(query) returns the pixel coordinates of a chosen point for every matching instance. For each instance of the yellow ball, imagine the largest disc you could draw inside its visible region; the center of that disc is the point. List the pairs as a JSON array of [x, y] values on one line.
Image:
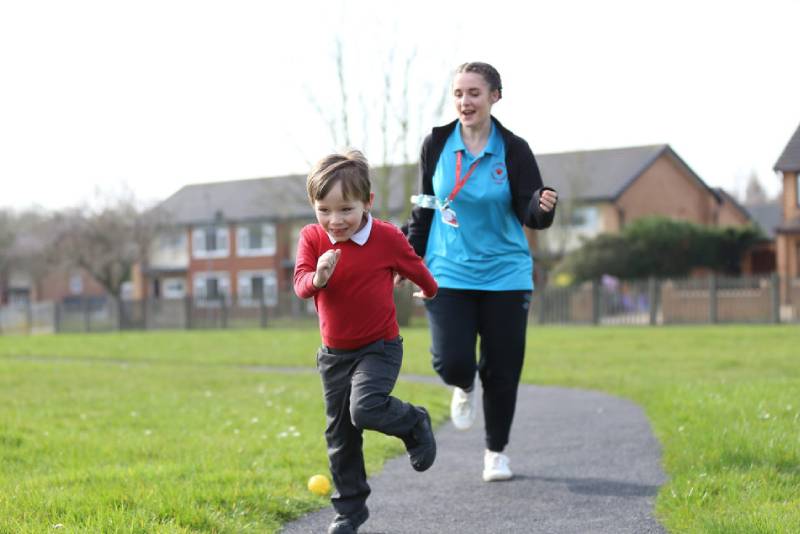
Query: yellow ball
[[319, 485]]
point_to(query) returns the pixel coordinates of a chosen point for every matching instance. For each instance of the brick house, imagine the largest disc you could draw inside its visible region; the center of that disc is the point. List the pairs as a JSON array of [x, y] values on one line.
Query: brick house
[[788, 231], [29, 277], [238, 238], [235, 238], [603, 190], [760, 259]]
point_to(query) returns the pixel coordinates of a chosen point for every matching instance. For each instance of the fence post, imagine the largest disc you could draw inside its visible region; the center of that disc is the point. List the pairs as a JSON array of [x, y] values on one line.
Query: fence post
[[144, 305], [120, 319], [595, 301], [187, 304], [29, 316], [652, 290], [87, 318], [712, 298], [775, 297], [263, 311], [541, 300], [224, 310], [56, 316]]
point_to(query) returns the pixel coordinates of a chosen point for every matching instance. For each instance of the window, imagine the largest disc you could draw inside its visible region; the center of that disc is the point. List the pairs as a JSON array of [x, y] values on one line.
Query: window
[[18, 296], [173, 288], [210, 242], [171, 240], [797, 188], [75, 284], [797, 259], [256, 240], [211, 287], [255, 287], [584, 218]]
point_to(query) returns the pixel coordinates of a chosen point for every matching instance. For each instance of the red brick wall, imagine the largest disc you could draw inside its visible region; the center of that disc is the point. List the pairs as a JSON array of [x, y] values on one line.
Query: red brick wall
[[55, 286], [667, 189]]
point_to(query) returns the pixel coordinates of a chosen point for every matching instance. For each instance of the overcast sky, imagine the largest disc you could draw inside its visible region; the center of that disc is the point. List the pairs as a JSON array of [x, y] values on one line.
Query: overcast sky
[[154, 95]]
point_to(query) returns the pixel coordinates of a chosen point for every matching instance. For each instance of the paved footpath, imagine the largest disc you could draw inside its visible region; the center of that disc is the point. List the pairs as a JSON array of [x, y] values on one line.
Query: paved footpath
[[585, 463]]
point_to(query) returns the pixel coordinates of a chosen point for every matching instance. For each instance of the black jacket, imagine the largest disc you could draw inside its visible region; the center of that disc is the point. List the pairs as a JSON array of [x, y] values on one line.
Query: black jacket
[[523, 178]]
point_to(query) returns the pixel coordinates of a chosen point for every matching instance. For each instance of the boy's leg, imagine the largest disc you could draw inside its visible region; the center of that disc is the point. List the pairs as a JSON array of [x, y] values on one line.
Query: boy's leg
[[371, 405], [453, 320], [503, 325], [345, 456]]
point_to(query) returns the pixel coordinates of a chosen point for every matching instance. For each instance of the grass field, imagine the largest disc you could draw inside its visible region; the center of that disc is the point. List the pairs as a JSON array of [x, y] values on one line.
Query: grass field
[[171, 432]]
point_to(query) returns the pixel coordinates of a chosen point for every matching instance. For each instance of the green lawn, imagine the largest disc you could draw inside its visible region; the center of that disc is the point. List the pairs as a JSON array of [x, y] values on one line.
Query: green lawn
[[176, 447], [177, 436]]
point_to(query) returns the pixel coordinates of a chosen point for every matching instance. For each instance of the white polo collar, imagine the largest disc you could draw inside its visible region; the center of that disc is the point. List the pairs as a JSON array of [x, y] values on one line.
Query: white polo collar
[[360, 237]]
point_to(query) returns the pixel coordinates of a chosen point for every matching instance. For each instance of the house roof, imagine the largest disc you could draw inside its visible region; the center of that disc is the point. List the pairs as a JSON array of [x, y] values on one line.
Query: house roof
[[789, 159], [791, 226], [277, 198], [768, 216], [594, 175], [726, 197], [590, 175]]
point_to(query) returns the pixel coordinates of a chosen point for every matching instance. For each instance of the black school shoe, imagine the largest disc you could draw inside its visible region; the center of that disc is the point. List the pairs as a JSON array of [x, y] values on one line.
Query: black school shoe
[[422, 449], [348, 524]]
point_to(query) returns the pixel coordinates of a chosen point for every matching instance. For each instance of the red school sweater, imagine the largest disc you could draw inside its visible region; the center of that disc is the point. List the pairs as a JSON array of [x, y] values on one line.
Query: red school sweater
[[357, 306]]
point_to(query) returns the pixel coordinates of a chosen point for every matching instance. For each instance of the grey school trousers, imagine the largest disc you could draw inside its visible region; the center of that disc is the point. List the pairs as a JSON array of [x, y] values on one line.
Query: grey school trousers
[[357, 385]]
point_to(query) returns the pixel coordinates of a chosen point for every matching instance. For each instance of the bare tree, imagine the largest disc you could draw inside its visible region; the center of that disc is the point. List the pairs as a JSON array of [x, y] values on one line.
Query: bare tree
[[108, 241], [561, 237], [33, 251], [754, 192], [388, 124], [6, 241], [6, 235], [394, 118]]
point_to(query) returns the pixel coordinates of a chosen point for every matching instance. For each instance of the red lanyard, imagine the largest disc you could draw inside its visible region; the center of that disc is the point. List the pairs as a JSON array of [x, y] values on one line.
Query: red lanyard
[[461, 181]]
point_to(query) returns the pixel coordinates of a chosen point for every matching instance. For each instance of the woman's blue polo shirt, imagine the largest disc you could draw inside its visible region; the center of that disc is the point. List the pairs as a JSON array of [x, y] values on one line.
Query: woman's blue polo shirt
[[488, 250]]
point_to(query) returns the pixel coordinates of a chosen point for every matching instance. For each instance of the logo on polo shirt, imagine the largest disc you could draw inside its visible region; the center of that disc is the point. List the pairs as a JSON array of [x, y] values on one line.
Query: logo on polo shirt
[[499, 174]]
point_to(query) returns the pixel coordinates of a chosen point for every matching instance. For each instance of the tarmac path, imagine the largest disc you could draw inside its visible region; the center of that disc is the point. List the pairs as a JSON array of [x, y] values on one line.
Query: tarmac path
[[584, 463]]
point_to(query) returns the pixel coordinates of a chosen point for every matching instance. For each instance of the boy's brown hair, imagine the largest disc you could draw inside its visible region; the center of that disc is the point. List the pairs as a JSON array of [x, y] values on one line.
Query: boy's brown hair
[[350, 168]]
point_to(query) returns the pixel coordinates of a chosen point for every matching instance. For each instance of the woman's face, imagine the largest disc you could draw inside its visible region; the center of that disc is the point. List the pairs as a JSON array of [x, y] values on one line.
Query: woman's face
[[473, 98]]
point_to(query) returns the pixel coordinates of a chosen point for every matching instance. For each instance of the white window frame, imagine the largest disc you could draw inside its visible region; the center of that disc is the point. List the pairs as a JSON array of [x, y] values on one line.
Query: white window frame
[[200, 285], [76, 284], [591, 216], [199, 242], [170, 293], [268, 240], [244, 288], [173, 239]]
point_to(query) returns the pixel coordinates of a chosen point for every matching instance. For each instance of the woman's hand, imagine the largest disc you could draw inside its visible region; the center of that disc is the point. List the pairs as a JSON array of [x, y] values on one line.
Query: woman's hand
[[548, 200]]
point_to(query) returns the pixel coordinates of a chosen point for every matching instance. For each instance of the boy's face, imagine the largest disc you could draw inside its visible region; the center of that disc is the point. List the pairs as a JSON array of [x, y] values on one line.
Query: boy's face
[[341, 217]]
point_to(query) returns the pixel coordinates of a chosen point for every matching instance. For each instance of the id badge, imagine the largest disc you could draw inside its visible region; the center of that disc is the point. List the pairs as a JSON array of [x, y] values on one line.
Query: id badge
[[449, 216]]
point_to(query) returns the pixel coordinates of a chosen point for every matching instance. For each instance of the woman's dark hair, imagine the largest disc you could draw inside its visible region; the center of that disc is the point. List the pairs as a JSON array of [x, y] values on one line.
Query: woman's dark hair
[[488, 72]]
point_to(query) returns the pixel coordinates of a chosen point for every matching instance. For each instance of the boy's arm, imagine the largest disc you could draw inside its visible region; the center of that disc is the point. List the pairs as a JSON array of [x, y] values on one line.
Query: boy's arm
[[411, 266], [305, 267]]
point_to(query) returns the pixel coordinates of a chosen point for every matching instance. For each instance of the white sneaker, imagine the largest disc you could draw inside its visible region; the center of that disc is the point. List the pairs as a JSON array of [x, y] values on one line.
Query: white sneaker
[[462, 407], [495, 467]]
